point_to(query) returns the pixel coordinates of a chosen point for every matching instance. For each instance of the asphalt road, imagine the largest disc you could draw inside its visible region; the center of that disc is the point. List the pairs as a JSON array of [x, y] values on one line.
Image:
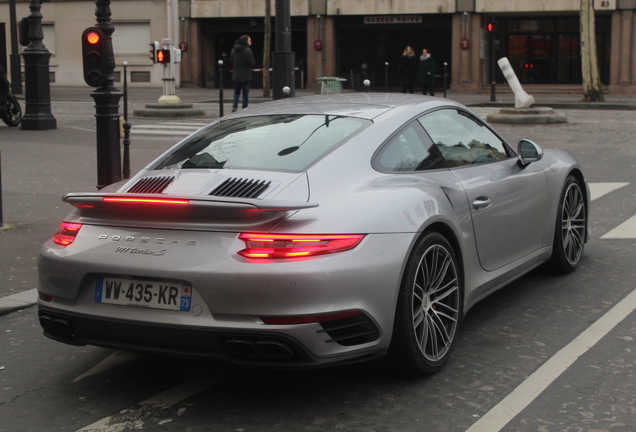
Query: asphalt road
[[545, 354]]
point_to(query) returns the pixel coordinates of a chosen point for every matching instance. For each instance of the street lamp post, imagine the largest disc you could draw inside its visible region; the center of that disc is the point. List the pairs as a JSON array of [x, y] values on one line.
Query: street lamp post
[[107, 108], [16, 75], [37, 113]]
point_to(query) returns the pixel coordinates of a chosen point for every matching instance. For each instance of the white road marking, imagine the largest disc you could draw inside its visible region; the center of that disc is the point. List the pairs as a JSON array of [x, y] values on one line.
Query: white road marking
[[626, 230], [115, 359], [597, 190], [500, 415], [172, 128], [132, 418]]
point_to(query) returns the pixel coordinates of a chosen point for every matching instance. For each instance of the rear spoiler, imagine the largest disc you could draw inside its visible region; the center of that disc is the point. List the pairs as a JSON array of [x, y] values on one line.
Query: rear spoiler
[[97, 199]]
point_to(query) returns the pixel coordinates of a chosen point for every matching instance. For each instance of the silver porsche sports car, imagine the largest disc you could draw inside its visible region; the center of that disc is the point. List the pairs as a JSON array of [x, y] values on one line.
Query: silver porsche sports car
[[312, 231]]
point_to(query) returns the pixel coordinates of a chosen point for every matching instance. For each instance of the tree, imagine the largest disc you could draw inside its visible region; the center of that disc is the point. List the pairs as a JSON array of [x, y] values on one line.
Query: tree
[[592, 91], [267, 46]]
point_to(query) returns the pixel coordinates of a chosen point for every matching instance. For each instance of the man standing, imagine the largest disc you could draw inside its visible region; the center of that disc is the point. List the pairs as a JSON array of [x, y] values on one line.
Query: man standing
[[242, 60], [426, 71]]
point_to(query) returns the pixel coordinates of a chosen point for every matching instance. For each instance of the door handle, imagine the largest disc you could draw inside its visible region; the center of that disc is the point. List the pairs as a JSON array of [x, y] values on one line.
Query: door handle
[[482, 203]]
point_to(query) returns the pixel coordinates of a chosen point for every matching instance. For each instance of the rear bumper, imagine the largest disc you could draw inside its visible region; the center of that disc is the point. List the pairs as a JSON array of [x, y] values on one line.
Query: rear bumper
[[247, 348]]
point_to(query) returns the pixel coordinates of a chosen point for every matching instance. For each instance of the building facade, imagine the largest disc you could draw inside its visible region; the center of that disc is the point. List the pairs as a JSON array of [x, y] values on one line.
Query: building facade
[[354, 40]]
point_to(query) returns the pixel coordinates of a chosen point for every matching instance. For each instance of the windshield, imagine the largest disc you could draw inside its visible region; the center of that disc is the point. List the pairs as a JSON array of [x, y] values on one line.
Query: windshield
[[276, 142]]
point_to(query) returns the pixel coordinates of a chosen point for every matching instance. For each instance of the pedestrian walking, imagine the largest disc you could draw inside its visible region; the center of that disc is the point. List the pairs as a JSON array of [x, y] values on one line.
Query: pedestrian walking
[[408, 69], [242, 60], [426, 72]]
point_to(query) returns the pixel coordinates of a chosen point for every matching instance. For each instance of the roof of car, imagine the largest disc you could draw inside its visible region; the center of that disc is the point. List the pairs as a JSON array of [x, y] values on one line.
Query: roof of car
[[362, 105]]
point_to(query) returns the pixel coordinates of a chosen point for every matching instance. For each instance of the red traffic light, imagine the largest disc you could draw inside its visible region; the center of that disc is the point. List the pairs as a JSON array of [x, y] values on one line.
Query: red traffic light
[[93, 38], [163, 56], [490, 26]]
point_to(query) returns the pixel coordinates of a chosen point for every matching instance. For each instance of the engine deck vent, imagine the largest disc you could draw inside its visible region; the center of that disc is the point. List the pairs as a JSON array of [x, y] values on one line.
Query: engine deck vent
[[241, 188], [151, 185]]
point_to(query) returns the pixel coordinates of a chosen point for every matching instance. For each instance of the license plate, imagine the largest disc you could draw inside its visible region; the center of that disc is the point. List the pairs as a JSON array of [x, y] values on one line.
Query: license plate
[[140, 293]]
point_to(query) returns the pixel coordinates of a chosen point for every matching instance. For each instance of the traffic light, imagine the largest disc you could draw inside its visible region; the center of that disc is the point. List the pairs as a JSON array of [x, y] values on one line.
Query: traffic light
[[94, 56], [163, 56], [491, 26], [154, 46]]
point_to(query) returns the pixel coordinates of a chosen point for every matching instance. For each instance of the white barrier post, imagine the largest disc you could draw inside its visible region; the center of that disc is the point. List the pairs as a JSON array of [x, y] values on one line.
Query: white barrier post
[[522, 99]]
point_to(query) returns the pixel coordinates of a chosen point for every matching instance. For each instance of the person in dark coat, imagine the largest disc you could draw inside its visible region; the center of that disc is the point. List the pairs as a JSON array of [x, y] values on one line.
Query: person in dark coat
[[242, 60], [426, 72], [408, 69]]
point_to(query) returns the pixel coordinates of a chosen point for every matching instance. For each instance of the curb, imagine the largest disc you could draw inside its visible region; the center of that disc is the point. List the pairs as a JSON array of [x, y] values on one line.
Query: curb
[[573, 106], [18, 301]]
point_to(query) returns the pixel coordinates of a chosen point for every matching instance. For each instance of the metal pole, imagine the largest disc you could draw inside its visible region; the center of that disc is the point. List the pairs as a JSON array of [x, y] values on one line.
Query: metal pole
[[220, 88], [386, 77], [16, 75], [125, 92], [1, 223], [283, 59], [493, 98], [445, 76], [107, 108]]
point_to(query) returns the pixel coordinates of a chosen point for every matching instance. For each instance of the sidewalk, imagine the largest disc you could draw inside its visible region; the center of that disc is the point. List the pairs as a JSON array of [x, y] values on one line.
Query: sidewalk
[[197, 95]]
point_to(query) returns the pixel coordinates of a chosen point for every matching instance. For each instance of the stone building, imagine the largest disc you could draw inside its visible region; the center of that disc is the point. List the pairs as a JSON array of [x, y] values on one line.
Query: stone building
[[355, 40]]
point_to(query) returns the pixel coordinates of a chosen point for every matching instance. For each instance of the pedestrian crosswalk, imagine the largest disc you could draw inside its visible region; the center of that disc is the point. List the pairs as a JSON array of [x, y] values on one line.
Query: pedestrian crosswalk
[[627, 229], [177, 129]]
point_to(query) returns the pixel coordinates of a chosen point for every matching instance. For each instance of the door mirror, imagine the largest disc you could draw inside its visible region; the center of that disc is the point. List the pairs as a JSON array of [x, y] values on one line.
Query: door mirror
[[528, 152]]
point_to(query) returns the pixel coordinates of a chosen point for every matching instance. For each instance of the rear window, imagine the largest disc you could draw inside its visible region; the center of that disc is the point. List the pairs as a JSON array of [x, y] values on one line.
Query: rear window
[[276, 143]]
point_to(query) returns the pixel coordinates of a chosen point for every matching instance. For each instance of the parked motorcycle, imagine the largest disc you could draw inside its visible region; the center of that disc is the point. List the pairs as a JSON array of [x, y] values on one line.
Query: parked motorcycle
[[10, 110]]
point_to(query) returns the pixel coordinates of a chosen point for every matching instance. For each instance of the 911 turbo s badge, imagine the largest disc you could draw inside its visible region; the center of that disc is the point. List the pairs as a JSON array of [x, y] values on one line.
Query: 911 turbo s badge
[[137, 251]]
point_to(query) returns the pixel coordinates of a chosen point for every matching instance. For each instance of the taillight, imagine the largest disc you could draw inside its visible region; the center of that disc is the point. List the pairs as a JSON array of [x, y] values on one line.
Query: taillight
[[67, 233], [270, 246]]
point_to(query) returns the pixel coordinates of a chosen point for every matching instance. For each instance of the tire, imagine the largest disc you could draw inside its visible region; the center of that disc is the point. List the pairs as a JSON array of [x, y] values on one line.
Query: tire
[[13, 115], [570, 229], [429, 307]]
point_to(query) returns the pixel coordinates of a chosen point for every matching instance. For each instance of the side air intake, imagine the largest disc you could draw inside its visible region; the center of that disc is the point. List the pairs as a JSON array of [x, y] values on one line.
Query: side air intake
[[151, 185], [241, 188]]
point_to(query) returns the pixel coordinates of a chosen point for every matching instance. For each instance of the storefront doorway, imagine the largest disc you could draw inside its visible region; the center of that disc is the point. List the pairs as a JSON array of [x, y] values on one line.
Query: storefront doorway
[[547, 50]]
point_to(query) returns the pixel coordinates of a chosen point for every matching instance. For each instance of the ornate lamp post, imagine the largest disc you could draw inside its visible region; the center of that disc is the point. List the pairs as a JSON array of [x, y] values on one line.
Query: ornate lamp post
[[37, 115], [107, 108]]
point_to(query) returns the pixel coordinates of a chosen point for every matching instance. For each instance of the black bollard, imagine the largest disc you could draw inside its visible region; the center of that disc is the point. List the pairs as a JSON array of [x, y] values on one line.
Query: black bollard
[[386, 76], [1, 223], [220, 88], [126, 168], [445, 77]]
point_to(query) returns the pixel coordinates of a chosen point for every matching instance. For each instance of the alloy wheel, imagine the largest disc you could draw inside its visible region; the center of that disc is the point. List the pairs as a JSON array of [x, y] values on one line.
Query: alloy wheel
[[435, 303]]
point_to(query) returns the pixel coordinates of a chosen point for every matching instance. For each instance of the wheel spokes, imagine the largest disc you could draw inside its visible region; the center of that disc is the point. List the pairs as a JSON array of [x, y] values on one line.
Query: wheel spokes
[[435, 302], [573, 223]]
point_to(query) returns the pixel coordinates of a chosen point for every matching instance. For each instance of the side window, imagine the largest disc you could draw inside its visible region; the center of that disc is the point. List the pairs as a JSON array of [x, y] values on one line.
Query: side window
[[409, 150], [461, 139]]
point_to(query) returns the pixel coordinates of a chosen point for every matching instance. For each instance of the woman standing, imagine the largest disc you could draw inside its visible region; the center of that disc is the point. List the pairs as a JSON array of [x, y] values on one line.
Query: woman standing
[[408, 69], [426, 71]]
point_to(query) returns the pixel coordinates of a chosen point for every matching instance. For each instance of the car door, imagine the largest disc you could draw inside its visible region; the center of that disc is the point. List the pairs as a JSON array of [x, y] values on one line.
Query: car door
[[508, 203]]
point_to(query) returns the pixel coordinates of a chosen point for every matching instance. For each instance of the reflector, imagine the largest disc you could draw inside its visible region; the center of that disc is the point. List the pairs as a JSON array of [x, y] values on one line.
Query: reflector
[[309, 318]]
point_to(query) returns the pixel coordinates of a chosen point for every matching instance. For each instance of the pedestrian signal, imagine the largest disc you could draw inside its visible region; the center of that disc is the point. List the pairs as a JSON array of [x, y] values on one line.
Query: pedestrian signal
[[491, 26], [94, 56], [163, 56]]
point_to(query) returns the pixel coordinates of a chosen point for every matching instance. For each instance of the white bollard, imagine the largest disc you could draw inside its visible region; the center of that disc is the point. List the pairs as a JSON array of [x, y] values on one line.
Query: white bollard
[[522, 99]]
